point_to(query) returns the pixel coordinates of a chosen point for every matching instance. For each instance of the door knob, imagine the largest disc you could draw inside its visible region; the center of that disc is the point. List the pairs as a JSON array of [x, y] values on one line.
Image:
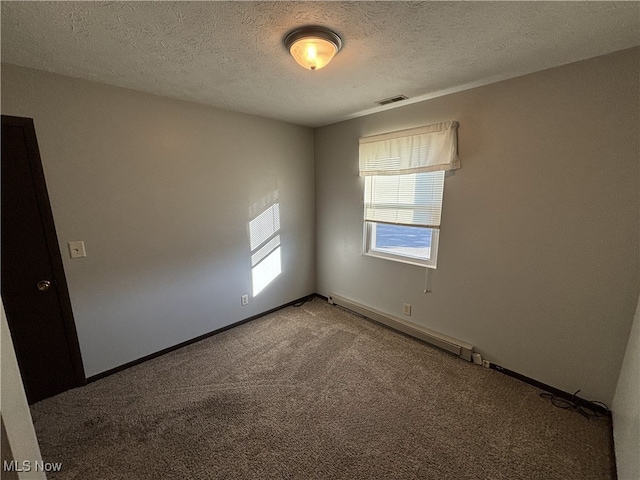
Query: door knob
[[43, 285]]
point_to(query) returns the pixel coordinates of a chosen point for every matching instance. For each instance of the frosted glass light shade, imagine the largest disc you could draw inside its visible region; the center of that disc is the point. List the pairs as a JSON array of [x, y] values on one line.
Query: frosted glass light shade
[[313, 53], [313, 47]]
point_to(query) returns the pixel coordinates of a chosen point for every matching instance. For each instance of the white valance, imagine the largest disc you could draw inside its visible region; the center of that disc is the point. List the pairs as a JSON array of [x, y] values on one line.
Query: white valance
[[417, 150]]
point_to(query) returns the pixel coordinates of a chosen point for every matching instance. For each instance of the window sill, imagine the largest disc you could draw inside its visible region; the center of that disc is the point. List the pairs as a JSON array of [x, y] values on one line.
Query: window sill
[[396, 258]]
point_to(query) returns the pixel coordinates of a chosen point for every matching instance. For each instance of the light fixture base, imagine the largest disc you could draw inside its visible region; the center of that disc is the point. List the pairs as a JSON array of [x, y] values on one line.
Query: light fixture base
[[312, 31]]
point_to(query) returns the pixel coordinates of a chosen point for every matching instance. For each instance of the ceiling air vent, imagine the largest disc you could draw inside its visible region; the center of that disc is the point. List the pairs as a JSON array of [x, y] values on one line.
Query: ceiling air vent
[[395, 99]]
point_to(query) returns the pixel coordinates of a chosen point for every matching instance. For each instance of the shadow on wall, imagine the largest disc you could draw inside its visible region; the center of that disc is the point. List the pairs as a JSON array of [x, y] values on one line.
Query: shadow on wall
[[264, 238]]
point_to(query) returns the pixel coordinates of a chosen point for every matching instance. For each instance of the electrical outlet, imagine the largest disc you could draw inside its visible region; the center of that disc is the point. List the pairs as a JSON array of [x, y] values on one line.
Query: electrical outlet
[[244, 300], [486, 363], [406, 309]]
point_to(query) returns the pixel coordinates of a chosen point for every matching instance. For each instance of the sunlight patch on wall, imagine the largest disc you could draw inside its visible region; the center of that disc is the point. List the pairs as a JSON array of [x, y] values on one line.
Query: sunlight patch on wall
[[266, 271], [264, 238]]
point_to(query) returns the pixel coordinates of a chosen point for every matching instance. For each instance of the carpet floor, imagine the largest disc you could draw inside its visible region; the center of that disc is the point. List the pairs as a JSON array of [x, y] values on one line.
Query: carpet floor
[[316, 392]]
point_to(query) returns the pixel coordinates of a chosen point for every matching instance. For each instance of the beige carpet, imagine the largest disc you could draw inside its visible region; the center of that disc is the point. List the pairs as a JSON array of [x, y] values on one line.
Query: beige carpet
[[315, 392]]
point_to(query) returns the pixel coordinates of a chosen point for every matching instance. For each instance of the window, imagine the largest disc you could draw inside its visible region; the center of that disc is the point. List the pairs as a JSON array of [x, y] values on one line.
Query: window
[[403, 188], [401, 212]]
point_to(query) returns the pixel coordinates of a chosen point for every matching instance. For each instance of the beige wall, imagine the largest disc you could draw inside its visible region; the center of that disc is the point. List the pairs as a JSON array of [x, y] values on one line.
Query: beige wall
[[626, 408], [538, 261], [161, 192]]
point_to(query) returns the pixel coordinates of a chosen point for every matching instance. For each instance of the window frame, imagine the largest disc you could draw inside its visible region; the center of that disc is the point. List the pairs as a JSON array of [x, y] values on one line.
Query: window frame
[[431, 262]]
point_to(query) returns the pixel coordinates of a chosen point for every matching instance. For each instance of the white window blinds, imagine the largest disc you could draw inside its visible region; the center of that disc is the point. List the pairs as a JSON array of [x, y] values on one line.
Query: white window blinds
[[417, 150], [411, 200]]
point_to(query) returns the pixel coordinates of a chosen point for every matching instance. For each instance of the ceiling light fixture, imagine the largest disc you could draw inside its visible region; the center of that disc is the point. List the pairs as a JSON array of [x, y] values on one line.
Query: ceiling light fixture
[[313, 47]]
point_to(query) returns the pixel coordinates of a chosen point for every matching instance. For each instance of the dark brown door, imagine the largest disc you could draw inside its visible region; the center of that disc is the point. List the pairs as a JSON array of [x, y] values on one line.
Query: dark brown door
[[34, 289]]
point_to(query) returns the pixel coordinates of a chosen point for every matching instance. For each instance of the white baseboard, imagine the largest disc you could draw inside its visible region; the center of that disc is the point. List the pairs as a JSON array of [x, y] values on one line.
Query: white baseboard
[[450, 344]]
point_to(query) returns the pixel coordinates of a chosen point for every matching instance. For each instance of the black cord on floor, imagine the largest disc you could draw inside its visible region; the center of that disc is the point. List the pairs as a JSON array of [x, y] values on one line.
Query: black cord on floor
[[576, 403], [302, 302]]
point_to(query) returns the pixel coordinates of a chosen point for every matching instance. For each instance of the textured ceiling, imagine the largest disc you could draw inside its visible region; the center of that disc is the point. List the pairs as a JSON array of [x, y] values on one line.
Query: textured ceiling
[[230, 54]]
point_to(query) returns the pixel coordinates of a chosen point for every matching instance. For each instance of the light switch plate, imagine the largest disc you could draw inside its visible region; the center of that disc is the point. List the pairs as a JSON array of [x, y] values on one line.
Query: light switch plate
[[76, 249]]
